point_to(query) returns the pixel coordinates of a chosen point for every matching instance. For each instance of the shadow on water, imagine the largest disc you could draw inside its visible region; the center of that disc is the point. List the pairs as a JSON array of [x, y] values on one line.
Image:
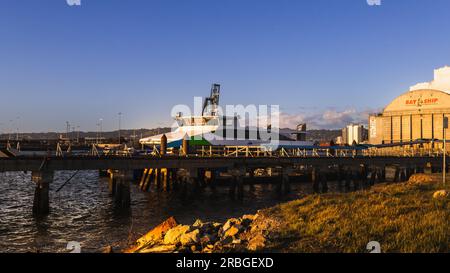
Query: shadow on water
[[84, 211]]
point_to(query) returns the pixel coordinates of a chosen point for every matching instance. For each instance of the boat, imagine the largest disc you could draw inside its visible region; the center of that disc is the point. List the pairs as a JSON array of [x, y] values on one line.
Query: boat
[[212, 129]]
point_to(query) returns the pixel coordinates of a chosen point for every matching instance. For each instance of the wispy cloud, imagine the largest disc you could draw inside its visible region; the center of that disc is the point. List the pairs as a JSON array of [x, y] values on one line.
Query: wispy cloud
[[326, 119]]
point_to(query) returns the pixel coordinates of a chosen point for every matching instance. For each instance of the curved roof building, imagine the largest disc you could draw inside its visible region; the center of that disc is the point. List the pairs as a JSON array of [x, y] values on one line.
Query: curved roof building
[[417, 114]]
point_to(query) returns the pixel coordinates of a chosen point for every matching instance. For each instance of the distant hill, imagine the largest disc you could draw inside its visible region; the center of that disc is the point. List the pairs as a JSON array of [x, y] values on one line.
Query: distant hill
[[135, 134], [322, 135], [126, 133]]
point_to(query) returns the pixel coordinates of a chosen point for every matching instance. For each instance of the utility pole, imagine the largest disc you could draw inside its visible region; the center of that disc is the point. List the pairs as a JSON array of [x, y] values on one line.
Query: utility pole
[[120, 117], [67, 130], [101, 127], [98, 126], [78, 134], [444, 165], [99, 130], [11, 129], [17, 132]]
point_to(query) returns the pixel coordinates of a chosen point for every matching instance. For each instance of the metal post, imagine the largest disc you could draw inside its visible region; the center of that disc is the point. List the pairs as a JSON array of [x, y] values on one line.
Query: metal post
[[101, 130], [120, 115], [68, 130], [17, 132], [445, 151]]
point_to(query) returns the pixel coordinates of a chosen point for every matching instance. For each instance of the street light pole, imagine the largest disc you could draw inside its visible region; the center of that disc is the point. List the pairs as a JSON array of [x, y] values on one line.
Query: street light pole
[[101, 128], [98, 126], [444, 165], [11, 129], [18, 132], [120, 117]]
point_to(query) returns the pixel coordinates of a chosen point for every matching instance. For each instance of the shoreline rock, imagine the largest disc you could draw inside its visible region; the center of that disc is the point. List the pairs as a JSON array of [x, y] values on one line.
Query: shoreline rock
[[234, 235], [153, 235]]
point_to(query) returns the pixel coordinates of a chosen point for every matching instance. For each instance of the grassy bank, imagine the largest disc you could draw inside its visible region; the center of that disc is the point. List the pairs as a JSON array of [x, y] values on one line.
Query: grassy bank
[[402, 217]]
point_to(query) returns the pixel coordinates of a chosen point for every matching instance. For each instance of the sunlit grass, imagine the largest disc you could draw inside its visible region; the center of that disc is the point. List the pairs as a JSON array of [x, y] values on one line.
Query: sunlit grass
[[402, 217]]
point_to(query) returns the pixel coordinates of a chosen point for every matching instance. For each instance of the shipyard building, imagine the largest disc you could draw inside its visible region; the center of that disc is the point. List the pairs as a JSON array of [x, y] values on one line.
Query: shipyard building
[[415, 115], [353, 134]]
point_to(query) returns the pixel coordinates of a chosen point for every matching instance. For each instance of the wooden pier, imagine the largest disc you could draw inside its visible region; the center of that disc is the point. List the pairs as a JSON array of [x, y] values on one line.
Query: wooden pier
[[351, 167], [167, 172]]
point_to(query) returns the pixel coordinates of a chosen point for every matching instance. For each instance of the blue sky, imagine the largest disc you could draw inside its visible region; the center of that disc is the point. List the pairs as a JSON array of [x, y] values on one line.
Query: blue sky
[[60, 63]]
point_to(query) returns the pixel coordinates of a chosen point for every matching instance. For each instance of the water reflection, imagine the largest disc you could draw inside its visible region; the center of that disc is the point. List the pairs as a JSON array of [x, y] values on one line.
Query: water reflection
[[84, 211]]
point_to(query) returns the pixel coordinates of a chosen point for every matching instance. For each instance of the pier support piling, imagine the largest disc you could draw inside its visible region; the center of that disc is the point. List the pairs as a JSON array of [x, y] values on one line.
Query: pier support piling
[[403, 175], [165, 179], [240, 187], [112, 182], [348, 179], [157, 178], [41, 203], [285, 186], [373, 177], [122, 191], [315, 178], [146, 180], [237, 183], [357, 178], [340, 177], [383, 174], [324, 182], [397, 174]]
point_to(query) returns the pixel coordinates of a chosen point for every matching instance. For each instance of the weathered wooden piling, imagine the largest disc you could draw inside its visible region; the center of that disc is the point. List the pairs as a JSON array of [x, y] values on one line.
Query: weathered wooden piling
[[319, 180], [396, 175], [251, 180], [237, 182], [315, 178], [201, 178], [240, 187], [285, 186], [122, 196], [373, 176], [356, 178], [146, 179], [143, 177], [185, 146], [174, 179], [157, 178], [409, 172], [348, 179], [165, 179], [112, 181], [212, 183], [403, 175], [41, 203], [364, 174], [190, 180], [163, 146], [383, 174], [324, 182]]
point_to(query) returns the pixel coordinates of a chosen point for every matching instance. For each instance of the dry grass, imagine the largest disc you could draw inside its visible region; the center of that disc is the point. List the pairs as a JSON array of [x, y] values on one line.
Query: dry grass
[[402, 217]]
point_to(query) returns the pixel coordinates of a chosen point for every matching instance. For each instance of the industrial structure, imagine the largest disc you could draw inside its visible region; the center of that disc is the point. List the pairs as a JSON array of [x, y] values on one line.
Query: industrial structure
[[215, 129], [354, 134], [415, 115]]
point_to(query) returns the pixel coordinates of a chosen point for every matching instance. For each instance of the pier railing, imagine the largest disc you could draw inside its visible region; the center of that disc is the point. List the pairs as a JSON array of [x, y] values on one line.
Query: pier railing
[[423, 150]]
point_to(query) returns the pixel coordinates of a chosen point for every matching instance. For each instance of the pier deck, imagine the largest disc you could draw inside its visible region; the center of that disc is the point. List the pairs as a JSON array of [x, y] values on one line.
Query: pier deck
[[168, 171], [175, 162]]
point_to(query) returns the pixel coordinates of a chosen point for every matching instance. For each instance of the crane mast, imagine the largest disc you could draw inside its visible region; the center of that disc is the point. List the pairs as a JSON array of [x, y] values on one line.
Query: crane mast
[[212, 102]]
